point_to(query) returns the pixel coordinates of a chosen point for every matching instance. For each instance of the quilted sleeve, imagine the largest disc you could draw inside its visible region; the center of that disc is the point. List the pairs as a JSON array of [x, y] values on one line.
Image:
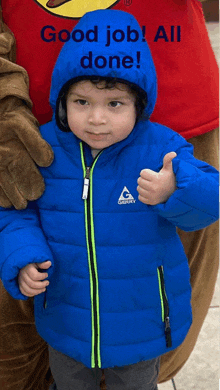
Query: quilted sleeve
[[194, 205], [21, 242]]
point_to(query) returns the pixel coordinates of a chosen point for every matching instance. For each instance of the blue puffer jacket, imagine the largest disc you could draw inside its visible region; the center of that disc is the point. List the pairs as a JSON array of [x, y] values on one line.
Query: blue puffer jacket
[[119, 288]]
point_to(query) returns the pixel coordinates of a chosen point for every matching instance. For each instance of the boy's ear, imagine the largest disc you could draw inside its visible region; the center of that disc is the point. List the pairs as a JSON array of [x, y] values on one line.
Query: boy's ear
[[62, 112], [61, 115]]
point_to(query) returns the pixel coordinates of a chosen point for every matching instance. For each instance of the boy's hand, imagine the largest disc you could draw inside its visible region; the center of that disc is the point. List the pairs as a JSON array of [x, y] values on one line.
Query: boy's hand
[[157, 187], [30, 279]]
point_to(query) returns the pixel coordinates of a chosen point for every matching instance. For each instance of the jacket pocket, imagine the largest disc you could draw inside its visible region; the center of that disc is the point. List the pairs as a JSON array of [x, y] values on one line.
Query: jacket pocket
[[164, 306]]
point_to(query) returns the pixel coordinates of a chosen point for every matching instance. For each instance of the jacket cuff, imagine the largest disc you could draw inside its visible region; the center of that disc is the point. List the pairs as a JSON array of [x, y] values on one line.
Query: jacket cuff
[[16, 261], [187, 207]]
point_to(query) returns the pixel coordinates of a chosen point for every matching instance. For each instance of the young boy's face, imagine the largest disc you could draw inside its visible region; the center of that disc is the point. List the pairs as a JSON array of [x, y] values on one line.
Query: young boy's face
[[100, 117]]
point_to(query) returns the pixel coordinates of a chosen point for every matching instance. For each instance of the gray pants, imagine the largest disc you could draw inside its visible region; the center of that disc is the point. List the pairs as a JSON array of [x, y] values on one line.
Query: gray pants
[[72, 375]]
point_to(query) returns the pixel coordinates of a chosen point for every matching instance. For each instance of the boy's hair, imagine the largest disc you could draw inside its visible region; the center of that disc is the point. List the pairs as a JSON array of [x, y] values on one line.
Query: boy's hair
[[109, 83]]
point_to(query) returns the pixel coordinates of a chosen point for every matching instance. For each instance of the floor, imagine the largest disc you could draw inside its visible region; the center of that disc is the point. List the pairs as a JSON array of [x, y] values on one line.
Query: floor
[[201, 372]]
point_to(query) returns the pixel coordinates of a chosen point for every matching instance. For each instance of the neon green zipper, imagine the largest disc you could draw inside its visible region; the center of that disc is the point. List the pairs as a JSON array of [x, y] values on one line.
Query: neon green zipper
[[164, 306], [90, 240]]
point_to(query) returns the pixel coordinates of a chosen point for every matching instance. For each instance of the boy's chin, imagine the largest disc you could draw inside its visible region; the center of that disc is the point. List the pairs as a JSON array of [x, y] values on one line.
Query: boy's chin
[[98, 142], [96, 139]]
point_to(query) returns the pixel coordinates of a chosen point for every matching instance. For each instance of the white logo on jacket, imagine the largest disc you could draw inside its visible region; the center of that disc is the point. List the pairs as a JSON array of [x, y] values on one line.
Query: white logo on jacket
[[126, 197]]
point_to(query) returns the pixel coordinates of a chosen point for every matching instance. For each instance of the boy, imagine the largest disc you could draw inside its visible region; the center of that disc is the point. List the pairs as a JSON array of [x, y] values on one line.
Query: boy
[[115, 298]]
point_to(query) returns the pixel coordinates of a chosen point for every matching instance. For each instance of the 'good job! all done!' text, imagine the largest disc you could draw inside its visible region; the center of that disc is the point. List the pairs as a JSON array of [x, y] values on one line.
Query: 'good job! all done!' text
[[168, 34]]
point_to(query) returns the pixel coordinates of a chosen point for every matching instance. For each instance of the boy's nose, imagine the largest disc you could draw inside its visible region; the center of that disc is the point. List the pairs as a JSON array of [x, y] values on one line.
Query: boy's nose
[[97, 116]]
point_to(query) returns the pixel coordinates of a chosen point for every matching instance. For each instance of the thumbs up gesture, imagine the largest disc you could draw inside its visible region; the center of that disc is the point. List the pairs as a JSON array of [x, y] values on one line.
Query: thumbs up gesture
[[157, 187]]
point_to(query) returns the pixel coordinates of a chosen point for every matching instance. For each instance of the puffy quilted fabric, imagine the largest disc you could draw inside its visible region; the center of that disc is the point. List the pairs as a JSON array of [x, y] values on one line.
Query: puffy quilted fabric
[[119, 276]]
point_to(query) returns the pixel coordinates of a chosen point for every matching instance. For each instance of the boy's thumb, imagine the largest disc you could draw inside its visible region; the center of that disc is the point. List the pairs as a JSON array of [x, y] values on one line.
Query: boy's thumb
[[167, 160]]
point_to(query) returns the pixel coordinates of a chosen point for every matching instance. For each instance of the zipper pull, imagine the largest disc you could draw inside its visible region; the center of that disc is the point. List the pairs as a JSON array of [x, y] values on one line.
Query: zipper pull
[[86, 183], [168, 332]]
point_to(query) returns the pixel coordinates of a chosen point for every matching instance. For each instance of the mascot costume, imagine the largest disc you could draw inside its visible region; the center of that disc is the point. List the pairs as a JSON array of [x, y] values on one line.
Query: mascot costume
[[187, 102]]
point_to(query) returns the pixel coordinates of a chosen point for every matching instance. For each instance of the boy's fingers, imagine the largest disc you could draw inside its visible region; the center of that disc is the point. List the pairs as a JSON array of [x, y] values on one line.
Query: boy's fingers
[[148, 174], [33, 283], [145, 184], [44, 265], [143, 199], [143, 192], [34, 274], [41, 276], [29, 292]]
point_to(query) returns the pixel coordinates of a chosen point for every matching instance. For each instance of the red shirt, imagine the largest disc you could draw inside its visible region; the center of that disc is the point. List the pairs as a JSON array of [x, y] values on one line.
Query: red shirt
[[175, 31]]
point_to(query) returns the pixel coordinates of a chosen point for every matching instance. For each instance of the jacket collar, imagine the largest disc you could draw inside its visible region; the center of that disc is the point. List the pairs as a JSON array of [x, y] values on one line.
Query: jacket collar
[[71, 144]]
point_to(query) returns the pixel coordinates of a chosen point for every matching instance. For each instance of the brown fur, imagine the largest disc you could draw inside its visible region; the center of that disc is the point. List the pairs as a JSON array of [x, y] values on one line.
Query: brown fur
[[21, 145]]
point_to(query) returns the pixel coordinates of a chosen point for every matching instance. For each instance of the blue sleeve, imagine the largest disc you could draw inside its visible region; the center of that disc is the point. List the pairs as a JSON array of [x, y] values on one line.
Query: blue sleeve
[[194, 205], [21, 242]]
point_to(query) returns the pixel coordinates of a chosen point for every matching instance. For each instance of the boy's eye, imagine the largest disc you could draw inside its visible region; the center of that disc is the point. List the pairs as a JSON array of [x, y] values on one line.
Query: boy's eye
[[115, 103], [81, 102]]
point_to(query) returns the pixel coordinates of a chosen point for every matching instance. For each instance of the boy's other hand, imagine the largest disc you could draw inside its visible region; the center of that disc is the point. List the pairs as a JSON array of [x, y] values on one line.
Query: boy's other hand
[[157, 187], [30, 278]]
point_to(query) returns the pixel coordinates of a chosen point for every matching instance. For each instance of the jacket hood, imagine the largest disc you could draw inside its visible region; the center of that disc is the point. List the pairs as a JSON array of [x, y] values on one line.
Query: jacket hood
[[134, 63]]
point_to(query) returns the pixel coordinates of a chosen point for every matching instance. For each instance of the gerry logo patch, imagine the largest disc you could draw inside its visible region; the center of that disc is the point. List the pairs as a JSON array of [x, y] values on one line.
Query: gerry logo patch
[[126, 197]]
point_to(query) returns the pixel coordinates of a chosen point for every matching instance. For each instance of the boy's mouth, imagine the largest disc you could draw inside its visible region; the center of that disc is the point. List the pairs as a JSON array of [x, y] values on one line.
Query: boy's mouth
[[97, 136]]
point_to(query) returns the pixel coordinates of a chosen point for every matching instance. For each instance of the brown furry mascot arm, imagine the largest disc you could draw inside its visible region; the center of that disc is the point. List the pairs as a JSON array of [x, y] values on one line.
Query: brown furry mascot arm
[[21, 145]]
